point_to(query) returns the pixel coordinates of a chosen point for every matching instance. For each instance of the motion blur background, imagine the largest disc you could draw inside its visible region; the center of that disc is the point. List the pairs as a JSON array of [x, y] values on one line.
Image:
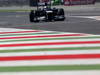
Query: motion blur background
[[33, 2]]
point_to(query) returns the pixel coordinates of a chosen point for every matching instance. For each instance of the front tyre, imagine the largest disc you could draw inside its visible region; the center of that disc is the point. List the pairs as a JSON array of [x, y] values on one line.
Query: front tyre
[[61, 14]]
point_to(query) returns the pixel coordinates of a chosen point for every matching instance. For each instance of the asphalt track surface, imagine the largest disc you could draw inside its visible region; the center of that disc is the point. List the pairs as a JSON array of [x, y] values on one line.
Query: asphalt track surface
[[76, 21]]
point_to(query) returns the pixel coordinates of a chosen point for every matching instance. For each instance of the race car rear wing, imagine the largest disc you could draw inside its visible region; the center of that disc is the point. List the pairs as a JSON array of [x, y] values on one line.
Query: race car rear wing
[[39, 3], [49, 4]]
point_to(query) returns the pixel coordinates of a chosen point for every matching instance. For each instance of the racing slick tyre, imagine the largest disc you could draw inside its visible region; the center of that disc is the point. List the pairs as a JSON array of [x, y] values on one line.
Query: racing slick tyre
[[49, 17], [60, 15], [61, 11], [33, 17]]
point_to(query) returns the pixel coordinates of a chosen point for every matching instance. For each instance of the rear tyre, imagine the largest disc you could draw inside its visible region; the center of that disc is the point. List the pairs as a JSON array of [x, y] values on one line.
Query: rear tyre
[[32, 16], [50, 17]]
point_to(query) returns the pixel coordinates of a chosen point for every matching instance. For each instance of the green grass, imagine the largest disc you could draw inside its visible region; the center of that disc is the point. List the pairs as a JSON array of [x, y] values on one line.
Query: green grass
[[17, 10], [49, 68]]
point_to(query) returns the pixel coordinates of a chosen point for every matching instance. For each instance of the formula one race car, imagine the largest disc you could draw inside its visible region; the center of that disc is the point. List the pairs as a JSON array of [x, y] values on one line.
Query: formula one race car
[[46, 13]]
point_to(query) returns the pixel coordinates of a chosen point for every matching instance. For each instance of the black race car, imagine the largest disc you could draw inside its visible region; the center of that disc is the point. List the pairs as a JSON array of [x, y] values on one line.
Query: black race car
[[46, 13]]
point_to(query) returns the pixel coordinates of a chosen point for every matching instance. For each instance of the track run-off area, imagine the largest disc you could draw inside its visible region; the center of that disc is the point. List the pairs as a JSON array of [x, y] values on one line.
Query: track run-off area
[[70, 47], [48, 52]]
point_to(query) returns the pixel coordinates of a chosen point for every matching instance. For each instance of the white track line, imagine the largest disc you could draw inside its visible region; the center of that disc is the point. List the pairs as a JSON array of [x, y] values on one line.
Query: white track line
[[42, 53], [83, 72], [49, 46], [50, 62]]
